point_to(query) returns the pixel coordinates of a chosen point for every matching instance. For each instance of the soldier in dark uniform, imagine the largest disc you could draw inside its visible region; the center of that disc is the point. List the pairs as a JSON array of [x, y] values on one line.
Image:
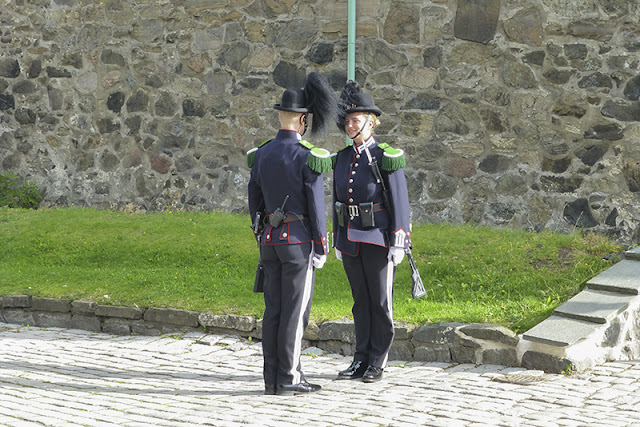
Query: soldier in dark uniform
[[286, 188], [370, 233]]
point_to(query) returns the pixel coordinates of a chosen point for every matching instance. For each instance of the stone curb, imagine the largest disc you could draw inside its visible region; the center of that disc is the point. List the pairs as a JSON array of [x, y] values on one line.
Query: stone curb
[[444, 342]]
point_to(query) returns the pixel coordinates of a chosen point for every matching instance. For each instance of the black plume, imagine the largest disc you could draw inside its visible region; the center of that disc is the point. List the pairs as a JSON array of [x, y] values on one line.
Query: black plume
[[321, 101], [346, 99]]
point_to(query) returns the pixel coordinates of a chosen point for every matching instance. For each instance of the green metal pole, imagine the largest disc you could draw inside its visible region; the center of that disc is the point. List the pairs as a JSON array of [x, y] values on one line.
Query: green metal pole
[[351, 46], [351, 40]]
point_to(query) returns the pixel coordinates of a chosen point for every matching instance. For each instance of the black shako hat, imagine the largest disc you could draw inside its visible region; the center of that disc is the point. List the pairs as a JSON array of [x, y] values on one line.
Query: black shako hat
[[316, 97]]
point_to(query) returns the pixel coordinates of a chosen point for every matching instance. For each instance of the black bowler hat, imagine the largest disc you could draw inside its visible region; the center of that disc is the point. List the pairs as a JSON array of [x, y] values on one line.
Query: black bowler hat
[[316, 97], [354, 100], [293, 100], [361, 103]]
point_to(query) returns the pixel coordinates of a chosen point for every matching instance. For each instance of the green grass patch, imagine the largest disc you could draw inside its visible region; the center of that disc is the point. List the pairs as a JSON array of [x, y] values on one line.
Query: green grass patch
[[205, 261]]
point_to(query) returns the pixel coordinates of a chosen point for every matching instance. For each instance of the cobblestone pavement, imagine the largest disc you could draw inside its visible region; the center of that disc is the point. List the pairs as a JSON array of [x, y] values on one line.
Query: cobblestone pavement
[[73, 378]]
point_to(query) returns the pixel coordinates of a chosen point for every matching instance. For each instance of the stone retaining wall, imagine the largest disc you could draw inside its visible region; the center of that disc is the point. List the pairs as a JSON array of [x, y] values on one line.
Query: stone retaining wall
[[444, 342]]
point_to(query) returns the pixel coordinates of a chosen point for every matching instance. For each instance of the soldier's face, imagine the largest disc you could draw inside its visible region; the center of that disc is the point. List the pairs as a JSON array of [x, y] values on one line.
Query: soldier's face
[[356, 122]]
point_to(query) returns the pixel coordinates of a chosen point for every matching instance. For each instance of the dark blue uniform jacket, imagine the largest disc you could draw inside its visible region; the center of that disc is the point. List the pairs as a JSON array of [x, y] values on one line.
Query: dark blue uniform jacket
[[354, 183], [280, 169]]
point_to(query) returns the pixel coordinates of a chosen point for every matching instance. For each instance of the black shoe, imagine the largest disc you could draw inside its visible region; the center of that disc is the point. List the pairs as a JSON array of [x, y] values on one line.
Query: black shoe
[[355, 371], [300, 388], [372, 375], [269, 389]]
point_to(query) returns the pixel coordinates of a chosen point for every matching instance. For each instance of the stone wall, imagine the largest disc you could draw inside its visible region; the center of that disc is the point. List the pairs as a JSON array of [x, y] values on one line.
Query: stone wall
[[445, 342], [512, 113]]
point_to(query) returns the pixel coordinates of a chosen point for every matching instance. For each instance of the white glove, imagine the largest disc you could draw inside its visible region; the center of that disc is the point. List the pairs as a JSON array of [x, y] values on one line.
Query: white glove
[[396, 254], [338, 255], [319, 260]]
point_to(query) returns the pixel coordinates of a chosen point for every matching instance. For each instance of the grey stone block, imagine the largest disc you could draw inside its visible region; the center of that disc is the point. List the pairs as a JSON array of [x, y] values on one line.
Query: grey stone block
[[83, 307], [401, 350], [16, 301], [116, 326], [545, 362], [85, 323], [594, 306], [623, 277], [227, 321], [432, 354], [312, 333], [172, 316], [45, 319], [337, 347], [500, 356], [442, 333], [343, 331], [490, 333], [51, 304], [18, 316], [477, 21], [132, 313], [561, 331], [633, 253], [461, 354]]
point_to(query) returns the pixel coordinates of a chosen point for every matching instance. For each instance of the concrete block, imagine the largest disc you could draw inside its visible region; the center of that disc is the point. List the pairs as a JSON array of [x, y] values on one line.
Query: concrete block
[[560, 331], [633, 253], [623, 277], [595, 306]]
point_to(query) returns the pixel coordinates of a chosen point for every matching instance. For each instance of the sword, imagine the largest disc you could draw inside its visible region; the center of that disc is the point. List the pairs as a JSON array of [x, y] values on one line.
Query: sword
[[417, 287]]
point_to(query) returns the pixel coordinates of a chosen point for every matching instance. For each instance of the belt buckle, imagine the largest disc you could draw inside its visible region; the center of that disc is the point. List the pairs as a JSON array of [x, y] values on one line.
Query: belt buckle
[[353, 211]]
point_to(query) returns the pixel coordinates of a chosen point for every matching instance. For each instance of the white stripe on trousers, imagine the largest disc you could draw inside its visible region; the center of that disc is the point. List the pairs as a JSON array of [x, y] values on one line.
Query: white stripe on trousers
[[297, 351], [390, 268]]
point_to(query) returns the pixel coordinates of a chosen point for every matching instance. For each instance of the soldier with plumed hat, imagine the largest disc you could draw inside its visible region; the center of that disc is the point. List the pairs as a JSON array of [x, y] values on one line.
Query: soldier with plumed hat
[[286, 189], [370, 228]]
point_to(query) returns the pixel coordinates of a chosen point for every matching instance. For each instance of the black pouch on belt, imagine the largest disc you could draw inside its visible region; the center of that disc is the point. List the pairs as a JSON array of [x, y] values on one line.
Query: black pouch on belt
[[340, 212], [366, 215]]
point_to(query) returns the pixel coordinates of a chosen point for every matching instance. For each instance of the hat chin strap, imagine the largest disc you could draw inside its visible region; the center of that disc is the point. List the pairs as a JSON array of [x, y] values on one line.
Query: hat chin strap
[[366, 122]]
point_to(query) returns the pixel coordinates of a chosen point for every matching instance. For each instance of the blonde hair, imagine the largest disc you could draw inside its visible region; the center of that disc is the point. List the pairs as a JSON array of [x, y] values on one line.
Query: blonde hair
[[375, 120]]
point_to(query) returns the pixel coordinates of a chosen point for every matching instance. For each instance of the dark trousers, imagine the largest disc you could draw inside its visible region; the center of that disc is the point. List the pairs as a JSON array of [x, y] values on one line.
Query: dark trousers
[[371, 276], [288, 290]]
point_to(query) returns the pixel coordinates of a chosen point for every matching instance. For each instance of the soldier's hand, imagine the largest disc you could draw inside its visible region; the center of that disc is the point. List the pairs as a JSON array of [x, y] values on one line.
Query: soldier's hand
[[338, 255], [396, 254], [319, 260]]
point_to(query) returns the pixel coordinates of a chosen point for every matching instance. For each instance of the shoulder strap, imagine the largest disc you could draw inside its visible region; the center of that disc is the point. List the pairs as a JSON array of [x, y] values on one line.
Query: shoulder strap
[[393, 158], [251, 154], [318, 159]]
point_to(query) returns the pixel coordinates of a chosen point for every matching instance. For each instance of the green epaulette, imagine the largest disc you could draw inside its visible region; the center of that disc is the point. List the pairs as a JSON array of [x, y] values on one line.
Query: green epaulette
[[251, 154], [318, 159], [393, 158]]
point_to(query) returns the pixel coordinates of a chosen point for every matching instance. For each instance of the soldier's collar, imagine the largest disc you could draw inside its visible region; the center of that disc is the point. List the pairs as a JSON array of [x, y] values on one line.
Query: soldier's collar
[[367, 144]]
